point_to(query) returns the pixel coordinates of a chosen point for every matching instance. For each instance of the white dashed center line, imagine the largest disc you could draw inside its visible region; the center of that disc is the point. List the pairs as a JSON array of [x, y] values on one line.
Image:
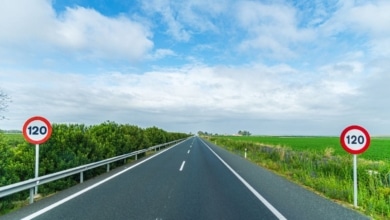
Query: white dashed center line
[[182, 166]]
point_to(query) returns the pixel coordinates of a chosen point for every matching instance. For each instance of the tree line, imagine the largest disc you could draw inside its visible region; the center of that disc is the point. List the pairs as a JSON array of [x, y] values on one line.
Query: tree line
[[72, 145], [241, 133]]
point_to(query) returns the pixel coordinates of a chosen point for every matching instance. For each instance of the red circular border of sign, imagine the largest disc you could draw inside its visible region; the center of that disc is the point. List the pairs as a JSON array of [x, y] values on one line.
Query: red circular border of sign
[[344, 145], [35, 118]]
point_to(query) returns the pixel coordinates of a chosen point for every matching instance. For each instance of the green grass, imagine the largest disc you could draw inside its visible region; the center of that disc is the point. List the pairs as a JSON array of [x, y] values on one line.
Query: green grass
[[379, 149]]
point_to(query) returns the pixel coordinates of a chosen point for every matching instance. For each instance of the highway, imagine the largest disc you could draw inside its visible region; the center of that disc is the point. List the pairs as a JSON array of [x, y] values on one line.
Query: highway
[[191, 180]]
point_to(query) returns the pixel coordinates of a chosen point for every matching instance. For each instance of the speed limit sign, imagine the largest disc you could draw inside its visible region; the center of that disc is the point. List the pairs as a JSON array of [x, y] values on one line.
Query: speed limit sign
[[355, 139], [37, 130]]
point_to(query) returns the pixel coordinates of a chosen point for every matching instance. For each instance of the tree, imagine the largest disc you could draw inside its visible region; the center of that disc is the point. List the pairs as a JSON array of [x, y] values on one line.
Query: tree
[[244, 133], [4, 100]]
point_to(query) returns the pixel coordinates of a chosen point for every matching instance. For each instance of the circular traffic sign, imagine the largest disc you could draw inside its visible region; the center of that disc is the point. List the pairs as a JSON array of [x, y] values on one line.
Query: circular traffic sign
[[355, 139], [37, 130]]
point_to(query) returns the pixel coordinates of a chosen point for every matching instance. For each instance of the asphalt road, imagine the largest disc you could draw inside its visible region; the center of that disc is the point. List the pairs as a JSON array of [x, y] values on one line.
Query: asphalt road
[[192, 180]]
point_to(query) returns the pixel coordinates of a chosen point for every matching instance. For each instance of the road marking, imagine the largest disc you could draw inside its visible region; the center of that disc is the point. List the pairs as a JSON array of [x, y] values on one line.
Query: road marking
[[188, 151], [182, 166], [54, 205], [257, 194]]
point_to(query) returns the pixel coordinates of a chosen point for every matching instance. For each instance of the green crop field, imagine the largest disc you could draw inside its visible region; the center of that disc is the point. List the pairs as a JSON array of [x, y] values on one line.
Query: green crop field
[[13, 139], [14, 136], [379, 148]]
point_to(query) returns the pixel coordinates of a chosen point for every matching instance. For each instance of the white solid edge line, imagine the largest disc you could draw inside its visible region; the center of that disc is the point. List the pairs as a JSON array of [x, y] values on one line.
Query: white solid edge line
[[260, 197], [182, 166], [54, 205]]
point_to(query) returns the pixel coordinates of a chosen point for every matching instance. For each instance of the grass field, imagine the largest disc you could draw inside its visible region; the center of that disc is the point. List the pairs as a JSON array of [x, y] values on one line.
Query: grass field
[[14, 136], [379, 148]]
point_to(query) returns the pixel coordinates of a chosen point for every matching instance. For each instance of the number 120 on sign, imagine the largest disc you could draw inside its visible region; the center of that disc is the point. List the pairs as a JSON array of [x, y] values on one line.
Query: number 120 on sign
[[353, 139], [36, 130]]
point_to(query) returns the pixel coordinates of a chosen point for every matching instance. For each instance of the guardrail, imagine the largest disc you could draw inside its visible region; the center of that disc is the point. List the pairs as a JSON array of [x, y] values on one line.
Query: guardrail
[[32, 183]]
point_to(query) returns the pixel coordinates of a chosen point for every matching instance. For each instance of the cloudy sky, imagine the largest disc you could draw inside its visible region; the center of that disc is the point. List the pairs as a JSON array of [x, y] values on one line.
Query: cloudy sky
[[270, 67]]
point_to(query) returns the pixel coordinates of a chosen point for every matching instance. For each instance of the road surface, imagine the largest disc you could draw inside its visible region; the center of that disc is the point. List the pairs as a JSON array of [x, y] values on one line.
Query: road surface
[[192, 180]]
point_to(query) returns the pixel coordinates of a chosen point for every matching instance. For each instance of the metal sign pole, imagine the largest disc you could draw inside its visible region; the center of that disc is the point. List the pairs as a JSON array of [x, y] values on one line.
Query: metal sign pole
[[36, 166], [355, 192]]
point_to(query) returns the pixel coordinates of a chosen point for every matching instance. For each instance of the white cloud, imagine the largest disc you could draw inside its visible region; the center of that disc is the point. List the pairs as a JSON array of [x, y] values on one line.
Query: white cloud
[[87, 30], [78, 31], [161, 53], [184, 95], [272, 28], [199, 14], [365, 19], [24, 20], [186, 18], [373, 16], [164, 8], [333, 96]]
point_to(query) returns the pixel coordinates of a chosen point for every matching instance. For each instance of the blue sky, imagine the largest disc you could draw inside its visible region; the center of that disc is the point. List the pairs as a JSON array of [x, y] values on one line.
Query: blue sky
[[269, 67]]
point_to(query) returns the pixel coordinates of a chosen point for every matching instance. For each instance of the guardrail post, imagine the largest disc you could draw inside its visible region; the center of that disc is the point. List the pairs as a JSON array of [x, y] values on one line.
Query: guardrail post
[[81, 177], [136, 157], [32, 195], [108, 167]]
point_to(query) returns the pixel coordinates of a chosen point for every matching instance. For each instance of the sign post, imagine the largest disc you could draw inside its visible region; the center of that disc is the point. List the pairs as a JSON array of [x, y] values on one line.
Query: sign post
[[37, 130], [355, 140]]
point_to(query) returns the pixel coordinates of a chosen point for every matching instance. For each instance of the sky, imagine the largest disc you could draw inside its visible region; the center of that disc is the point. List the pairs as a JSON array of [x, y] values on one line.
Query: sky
[[270, 67]]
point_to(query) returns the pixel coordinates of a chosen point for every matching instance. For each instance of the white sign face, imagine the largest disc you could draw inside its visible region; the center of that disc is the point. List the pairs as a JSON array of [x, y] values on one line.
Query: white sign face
[[355, 139], [37, 130]]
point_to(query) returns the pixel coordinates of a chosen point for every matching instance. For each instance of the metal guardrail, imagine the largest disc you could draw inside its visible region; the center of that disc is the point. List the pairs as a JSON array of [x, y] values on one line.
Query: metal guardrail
[[32, 183]]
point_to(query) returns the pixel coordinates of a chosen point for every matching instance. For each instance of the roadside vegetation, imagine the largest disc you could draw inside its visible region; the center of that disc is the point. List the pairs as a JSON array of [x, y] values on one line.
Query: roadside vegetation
[[320, 163], [70, 146]]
